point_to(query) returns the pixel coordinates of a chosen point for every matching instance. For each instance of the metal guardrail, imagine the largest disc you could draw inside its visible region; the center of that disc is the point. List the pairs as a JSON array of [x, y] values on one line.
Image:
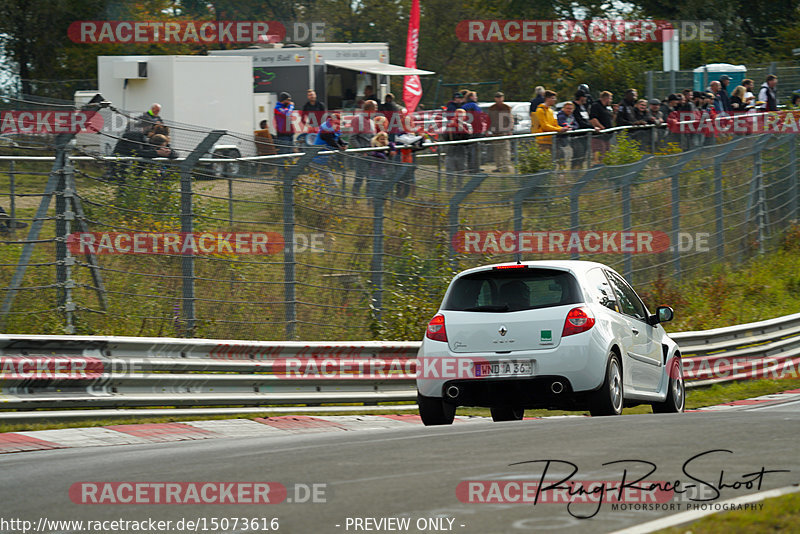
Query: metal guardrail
[[59, 377]]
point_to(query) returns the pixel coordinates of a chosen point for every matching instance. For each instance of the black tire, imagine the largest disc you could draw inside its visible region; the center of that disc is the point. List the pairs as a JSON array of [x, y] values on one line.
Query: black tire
[[608, 400], [434, 411], [507, 413], [676, 391]]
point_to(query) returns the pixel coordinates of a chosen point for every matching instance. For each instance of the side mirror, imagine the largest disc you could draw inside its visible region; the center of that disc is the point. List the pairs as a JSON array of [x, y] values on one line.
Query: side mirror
[[662, 315]]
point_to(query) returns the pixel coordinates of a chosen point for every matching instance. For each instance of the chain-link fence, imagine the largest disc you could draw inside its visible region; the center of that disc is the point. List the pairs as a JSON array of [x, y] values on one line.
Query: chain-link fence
[[322, 244]]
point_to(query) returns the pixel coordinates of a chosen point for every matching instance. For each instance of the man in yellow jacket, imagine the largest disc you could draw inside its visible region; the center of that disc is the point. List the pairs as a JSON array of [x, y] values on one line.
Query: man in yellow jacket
[[544, 120]]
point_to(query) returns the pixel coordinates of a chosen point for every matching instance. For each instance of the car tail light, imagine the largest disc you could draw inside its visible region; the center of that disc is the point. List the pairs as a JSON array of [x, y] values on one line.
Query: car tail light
[[436, 330], [513, 266], [578, 320]]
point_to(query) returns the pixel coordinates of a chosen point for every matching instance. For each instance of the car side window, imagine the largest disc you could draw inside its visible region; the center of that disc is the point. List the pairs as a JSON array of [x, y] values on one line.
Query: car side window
[[629, 302], [600, 290]]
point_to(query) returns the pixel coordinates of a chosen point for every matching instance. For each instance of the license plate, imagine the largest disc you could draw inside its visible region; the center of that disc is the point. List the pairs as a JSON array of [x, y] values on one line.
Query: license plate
[[504, 368]]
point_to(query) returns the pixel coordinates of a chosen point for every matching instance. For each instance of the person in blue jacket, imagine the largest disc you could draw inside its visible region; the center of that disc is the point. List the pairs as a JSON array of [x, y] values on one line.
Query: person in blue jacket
[[330, 137]]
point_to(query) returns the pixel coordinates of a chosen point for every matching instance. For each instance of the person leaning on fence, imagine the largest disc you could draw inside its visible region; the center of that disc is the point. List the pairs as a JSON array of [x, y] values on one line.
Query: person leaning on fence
[[724, 98], [458, 128], [566, 119], [580, 143], [329, 137], [501, 122], [626, 108], [378, 162], [768, 94], [408, 144], [265, 144], [480, 125], [538, 98], [656, 119], [362, 130], [602, 115], [545, 121], [148, 119], [136, 143]]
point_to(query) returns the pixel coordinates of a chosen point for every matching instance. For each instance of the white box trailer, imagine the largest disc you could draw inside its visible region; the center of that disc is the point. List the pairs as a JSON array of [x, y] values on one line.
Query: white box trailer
[[213, 92], [338, 72]]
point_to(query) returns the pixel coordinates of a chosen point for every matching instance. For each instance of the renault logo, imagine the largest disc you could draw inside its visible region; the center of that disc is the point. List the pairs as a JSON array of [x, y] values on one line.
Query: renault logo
[[503, 330]]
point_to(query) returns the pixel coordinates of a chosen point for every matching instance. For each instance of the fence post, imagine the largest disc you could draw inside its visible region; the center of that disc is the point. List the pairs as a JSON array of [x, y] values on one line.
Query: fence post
[[574, 203], [380, 191], [12, 197], [793, 212], [719, 199], [64, 260], [36, 227], [289, 263], [523, 193], [627, 213], [455, 203], [676, 209], [758, 182], [187, 227]]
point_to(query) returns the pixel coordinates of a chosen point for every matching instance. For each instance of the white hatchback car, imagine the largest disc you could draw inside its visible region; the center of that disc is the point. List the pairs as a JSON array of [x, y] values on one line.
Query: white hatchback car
[[567, 335]]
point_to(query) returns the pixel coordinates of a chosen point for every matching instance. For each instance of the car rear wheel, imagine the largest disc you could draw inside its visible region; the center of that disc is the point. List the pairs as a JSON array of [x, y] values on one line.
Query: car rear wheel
[[506, 413], [608, 399], [434, 411], [676, 392]]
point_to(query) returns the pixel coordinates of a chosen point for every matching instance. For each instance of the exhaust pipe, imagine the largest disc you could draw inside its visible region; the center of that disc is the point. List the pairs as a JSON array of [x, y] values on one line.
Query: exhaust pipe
[[556, 387], [453, 392]]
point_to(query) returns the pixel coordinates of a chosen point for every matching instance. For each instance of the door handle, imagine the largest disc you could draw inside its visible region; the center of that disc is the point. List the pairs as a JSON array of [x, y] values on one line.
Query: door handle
[[635, 332]]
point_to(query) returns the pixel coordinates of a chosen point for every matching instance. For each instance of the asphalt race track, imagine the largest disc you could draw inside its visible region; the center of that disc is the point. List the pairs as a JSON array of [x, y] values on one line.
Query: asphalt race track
[[414, 472]]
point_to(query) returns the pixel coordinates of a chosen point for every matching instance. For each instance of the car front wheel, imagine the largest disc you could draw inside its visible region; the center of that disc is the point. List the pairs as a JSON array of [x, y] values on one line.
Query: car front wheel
[[608, 399], [434, 411], [676, 392]]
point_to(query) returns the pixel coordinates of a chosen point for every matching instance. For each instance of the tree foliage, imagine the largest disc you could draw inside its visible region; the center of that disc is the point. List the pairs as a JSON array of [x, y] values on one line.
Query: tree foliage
[[34, 36]]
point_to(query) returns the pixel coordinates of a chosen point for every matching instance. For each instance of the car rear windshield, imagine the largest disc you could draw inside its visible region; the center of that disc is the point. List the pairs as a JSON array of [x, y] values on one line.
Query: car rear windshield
[[508, 290]]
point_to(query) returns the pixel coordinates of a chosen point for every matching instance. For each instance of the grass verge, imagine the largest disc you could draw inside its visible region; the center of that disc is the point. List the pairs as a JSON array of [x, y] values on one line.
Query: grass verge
[[779, 514]]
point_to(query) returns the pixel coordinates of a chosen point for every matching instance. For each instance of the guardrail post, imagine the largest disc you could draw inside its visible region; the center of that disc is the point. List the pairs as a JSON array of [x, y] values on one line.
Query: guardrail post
[[455, 204], [289, 263], [187, 227]]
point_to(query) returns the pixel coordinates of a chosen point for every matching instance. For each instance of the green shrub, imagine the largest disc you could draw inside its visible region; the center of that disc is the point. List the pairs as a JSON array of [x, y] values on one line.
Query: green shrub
[[625, 151], [534, 159]]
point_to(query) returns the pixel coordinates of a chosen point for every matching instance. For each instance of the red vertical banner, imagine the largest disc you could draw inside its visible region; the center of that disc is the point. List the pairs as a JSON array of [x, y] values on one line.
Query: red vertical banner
[[412, 89]]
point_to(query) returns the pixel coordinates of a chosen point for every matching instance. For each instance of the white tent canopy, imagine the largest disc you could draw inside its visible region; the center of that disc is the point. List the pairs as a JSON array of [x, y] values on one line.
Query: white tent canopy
[[376, 67]]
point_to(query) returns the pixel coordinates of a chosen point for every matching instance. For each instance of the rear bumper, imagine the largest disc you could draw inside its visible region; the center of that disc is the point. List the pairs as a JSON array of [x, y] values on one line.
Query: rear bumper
[[579, 362], [528, 393]]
